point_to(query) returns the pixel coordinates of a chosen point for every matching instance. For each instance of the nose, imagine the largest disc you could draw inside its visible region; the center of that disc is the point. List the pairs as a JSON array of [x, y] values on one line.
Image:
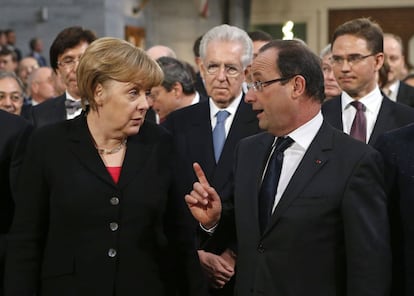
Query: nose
[[250, 96], [143, 104]]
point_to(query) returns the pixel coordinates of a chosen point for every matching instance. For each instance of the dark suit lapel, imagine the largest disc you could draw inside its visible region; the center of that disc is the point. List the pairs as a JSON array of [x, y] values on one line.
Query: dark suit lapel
[[136, 156], [244, 117], [384, 120], [332, 112], [314, 159], [81, 145], [201, 145]]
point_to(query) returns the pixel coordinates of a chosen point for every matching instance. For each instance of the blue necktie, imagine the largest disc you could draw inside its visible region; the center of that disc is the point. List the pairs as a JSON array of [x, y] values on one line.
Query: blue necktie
[[270, 181], [219, 133]]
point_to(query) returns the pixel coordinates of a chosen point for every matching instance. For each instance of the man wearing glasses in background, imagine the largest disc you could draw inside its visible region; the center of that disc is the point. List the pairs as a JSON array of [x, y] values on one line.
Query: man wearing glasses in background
[[65, 52], [208, 133], [362, 110]]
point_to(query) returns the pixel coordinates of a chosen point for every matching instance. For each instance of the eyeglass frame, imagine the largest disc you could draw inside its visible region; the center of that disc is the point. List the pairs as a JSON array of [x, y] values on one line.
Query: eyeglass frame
[[68, 62], [258, 85], [351, 59], [226, 69]]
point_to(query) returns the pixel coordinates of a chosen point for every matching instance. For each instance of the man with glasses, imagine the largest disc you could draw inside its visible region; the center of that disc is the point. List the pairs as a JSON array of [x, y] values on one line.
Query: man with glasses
[[361, 110], [208, 133], [65, 53], [310, 219]]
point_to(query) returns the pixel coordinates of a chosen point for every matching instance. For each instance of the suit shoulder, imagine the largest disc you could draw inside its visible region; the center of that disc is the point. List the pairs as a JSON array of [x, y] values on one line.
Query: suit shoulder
[[49, 103]]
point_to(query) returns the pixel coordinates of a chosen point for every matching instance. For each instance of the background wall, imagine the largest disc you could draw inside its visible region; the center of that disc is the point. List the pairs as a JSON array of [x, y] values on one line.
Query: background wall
[[175, 23]]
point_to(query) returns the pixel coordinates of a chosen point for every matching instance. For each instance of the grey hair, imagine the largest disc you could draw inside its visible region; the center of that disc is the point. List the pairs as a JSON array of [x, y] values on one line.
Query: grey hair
[[325, 51], [231, 34], [12, 75]]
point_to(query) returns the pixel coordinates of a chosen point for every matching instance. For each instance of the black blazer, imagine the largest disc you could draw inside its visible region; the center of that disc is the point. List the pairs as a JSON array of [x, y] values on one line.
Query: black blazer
[[14, 132], [391, 116], [50, 111], [397, 149], [329, 232], [76, 232], [405, 94], [193, 141]]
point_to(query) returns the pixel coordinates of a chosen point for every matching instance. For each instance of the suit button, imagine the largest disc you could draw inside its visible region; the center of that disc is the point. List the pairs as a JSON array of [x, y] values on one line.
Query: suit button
[[113, 226], [111, 252], [114, 201], [260, 248]]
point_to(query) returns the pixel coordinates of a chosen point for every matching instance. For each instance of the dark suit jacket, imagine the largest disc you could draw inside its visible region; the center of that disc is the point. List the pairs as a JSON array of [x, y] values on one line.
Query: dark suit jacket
[[405, 94], [14, 132], [50, 111], [397, 149], [193, 140], [329, 232], [391, 116], [76, 232]]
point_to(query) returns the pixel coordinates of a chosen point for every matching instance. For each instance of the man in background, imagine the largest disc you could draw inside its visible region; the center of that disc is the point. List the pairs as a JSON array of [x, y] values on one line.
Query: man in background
[[395, 89], [65, 53]]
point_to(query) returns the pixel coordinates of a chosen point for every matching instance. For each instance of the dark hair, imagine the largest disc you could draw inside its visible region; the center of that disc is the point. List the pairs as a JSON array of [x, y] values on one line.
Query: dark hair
[[68, 38], [196, 46], [295, 58], [176, 71], [5, 52], [32, 43], [259, 35], [363, 28]]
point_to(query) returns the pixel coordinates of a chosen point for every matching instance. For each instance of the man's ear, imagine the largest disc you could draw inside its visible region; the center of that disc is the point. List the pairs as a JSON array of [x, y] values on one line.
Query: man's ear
[[177, 89], [298, 85]]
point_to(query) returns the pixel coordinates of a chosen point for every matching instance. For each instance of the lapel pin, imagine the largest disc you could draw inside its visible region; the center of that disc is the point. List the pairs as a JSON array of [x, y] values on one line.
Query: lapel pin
[[318, 161]]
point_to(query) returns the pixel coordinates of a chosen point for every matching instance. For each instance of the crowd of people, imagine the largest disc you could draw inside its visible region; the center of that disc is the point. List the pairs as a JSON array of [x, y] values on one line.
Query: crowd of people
[[266, 169]]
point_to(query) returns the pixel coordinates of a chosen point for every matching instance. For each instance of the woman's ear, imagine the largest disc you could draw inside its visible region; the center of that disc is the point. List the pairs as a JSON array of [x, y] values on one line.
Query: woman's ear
[[99, 94]]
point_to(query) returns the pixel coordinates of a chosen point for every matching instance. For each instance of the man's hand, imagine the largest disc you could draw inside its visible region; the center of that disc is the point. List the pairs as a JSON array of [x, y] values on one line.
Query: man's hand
[[218, 270], [203, 201]]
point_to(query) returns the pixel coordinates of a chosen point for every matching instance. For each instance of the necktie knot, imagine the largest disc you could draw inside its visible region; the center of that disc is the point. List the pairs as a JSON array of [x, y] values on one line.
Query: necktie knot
[[282, 143], [72, 106], [359, 106], [222, 116]]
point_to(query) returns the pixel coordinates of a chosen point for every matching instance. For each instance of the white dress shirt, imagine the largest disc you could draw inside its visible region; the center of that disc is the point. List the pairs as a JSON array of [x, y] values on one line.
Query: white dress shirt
[[303, 137], [70, 116], [372, 102], [232, 108]]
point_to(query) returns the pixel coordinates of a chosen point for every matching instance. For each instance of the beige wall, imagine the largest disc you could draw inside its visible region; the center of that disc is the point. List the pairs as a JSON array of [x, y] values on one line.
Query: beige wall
[[313, 13]]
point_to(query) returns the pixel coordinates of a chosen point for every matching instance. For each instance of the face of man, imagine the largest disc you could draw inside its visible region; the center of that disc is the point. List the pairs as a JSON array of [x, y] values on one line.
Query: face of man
[[271, 102], [355, 66], [11, 96], [67, 64], [42, 87], [26, 66], [164, 102], [395, 58], [7, 64], [223, 72]]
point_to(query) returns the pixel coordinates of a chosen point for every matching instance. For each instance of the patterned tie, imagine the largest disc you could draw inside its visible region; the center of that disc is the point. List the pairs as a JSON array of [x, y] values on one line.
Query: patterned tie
[[270, 181], [72, 106], [219, 133], [359, 125]]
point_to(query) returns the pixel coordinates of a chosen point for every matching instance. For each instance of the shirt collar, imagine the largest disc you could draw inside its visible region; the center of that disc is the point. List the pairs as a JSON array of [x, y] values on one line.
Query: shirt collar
[[371, 101], [304, 135], [232, 108]]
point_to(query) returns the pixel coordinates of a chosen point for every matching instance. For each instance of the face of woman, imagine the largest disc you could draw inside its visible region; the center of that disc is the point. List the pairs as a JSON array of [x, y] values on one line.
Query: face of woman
[[121, 107]]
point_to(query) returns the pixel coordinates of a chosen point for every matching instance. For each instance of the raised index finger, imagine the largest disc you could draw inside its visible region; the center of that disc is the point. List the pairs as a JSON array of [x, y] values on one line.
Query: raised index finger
[[200, 174]]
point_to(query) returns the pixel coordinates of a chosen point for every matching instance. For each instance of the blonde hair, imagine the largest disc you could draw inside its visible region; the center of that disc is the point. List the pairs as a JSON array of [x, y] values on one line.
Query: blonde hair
[[115, 59]]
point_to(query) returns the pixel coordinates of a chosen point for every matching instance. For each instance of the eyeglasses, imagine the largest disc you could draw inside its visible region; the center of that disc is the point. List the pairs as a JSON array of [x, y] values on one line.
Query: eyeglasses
[[14, 96], [258, 85], [230, 70], [352, 59], [68, 63]]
